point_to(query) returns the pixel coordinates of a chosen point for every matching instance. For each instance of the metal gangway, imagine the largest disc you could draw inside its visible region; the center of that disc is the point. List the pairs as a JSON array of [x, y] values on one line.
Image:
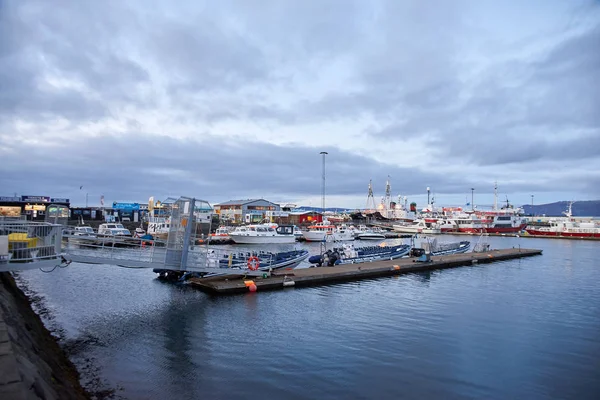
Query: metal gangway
[[28, 245]]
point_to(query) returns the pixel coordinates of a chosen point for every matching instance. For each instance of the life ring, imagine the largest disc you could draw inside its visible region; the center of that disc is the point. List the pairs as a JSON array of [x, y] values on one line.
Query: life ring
[[253, 263]]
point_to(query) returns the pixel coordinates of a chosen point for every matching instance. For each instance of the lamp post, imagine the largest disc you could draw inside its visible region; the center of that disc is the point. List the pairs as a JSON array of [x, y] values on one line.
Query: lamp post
[[472, 199], [324, 242], [427, 195], [532, 213]]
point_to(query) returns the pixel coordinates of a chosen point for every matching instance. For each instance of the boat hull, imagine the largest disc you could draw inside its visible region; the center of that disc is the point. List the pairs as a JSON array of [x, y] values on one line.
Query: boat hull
[[375, 254], [315, 236], [241, 239], [370, 236], [564, 233], [496, 230]]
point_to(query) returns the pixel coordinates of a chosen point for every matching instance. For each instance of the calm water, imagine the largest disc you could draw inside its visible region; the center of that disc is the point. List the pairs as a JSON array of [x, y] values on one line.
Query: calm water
[[526, 328]]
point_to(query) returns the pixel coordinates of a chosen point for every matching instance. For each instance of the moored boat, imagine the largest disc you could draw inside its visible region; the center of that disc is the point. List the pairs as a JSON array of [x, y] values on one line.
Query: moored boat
[[348, 254], [436, 248], [221, 235], [428, 226], [365, 233], [239, 263], [567, 227], [263, 233]]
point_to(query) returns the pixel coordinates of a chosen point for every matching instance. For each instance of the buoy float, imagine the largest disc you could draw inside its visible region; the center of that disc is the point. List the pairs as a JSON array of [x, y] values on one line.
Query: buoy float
[[252, 288]]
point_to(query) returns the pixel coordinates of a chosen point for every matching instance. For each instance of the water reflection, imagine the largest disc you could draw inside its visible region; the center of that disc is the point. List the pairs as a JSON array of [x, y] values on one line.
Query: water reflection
[[515, 329]]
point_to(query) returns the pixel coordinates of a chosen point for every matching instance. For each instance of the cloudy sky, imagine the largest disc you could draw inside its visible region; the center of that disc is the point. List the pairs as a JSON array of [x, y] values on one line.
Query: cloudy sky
[[236, 99]]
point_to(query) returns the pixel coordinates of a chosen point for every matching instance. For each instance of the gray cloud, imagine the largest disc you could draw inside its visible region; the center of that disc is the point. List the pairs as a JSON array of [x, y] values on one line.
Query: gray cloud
[[211, 168], [422, 72]]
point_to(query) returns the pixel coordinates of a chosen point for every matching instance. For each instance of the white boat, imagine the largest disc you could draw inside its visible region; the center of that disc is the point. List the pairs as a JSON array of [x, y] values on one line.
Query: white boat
[[80, 235], [429, 226], [365, 233], [343, 233], [221, 234], [319, 232], [113, 229], [324, 231], [159, 227], [263, 233], [298, 233]]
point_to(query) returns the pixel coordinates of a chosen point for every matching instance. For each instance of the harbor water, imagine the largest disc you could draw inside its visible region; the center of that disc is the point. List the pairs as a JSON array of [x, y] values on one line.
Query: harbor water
[[526, 328]]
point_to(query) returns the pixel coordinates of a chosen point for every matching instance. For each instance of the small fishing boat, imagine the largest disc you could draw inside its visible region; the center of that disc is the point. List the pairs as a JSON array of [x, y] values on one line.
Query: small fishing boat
[[348, 254], [435, 248], [221, 235], [80, 235], [365, 233]]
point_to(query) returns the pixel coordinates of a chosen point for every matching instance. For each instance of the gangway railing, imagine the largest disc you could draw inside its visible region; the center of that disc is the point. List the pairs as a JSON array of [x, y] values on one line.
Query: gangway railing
[[142, 253], [29, 245], [179, 252]]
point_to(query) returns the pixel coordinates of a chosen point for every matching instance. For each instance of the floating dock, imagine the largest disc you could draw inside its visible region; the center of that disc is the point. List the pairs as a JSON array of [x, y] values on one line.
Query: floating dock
[[350, 272]]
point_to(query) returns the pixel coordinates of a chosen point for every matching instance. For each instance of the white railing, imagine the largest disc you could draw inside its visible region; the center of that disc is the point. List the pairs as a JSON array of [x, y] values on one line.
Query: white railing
[[139, 253], [24, 242]]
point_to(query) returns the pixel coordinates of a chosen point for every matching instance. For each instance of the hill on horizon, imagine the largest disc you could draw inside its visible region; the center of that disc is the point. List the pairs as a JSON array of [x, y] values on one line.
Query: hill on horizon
[[589, 208]]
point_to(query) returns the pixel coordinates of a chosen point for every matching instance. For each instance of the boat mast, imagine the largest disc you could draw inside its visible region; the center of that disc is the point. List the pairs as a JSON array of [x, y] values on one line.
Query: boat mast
[[370, 198], [495, 196], [388, 197]]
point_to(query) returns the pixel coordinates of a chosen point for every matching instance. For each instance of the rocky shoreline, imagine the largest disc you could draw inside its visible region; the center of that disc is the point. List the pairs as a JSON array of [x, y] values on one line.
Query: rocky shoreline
[[32, 364]]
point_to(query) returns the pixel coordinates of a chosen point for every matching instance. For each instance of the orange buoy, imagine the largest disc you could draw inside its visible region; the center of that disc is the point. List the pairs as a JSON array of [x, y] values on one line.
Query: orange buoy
[[252, 288]]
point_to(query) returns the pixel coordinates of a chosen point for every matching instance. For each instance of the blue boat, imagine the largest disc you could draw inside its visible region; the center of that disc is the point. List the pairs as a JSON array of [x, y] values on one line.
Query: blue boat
[[240, 263], [348, 254]]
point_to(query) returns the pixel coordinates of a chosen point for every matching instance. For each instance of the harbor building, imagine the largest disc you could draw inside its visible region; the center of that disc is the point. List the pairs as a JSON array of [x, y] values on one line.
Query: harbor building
[[246, 211], [33, 207]]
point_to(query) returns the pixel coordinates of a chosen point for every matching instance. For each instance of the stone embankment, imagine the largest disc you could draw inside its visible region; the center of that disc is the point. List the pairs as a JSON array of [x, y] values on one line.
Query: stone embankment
[[32, 364]]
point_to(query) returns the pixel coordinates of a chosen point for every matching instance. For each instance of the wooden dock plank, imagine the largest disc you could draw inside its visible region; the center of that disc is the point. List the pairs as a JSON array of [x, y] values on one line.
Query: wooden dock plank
[[343, 273]]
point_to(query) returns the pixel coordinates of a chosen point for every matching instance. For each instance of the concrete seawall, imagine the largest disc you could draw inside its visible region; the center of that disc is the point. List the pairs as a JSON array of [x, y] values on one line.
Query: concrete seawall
[[32, 364]]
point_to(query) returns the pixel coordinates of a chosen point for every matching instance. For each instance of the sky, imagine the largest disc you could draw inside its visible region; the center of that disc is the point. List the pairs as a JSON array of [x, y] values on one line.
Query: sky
[[236, 99]]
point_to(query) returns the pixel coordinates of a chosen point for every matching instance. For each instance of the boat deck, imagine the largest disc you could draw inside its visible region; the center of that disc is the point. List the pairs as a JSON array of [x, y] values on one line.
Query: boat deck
[[349, 272]]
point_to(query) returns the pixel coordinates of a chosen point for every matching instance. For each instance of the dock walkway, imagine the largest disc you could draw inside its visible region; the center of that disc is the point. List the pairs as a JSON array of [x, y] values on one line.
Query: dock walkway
[[349, 272]]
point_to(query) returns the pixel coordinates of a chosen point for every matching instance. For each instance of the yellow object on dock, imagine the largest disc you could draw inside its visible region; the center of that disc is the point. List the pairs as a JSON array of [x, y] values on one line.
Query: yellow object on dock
[[20, 238]]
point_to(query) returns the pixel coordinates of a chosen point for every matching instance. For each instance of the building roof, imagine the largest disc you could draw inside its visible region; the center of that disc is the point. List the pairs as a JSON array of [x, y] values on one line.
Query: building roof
[[242, 202]]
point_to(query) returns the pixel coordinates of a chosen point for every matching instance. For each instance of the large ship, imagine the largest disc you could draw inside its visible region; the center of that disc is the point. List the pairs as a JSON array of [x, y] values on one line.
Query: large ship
[[567, 227]]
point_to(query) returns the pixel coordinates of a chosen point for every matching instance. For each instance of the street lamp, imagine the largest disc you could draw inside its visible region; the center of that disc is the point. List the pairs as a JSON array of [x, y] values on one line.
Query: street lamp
[[532, 213], [427, 195], [472, 197]]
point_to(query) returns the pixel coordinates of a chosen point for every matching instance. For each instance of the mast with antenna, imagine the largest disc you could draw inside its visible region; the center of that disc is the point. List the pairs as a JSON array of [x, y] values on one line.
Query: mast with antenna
[[495, 196], [388, 197], [370, 198]]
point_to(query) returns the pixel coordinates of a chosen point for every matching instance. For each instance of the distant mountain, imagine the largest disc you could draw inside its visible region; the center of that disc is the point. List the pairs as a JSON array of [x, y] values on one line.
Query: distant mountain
[[318, 209], [580, 208]]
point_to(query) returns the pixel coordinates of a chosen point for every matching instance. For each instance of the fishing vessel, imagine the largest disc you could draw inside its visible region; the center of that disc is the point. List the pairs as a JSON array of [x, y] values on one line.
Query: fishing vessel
[[567, 226]]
